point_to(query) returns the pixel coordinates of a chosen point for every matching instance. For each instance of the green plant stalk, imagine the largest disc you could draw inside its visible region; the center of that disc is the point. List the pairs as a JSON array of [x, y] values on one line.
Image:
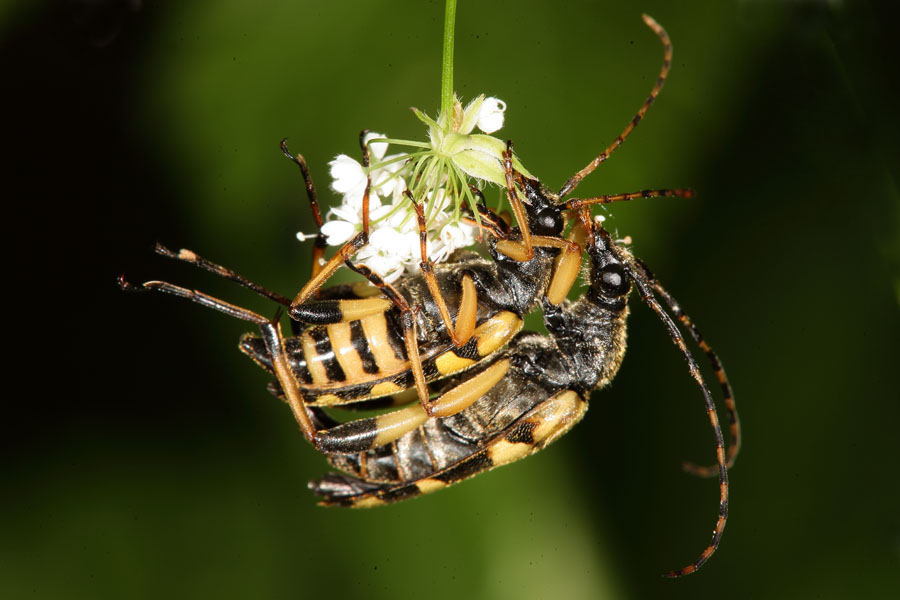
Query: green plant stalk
[[447, 61]]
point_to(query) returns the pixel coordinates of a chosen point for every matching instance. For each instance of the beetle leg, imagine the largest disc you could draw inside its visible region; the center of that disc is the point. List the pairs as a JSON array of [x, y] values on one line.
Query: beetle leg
[[516, 203], [316, 281], [403, 398], [321, 272], [366, 161], [271, 334], [319, 244], [516, 249], [365, 434], [408, 321], [327, 312], [468, 306], [487, 219], [463, 395], [467, 313], [565, 267]]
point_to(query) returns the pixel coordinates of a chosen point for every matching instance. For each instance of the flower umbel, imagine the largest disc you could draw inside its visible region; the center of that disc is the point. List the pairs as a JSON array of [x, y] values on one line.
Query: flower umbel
[[437, 173]]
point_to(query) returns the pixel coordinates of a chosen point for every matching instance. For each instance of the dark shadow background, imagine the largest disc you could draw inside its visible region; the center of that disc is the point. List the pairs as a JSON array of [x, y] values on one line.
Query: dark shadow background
[[142, 456]]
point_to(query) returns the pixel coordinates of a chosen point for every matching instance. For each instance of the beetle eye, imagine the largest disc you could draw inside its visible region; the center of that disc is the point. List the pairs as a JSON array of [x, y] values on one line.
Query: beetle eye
[[548, 222], [614, 280]]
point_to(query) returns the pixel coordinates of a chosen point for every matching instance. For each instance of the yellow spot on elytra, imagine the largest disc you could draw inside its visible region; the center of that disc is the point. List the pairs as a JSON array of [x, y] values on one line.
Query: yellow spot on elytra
[[504, 451], [327, 399], [385, 388], [450, 362], [557, 415], [368, 502], [426, 486]]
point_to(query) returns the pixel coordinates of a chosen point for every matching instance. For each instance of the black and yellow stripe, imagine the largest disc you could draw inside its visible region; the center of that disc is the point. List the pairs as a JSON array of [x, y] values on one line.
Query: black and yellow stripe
[[349, 362]]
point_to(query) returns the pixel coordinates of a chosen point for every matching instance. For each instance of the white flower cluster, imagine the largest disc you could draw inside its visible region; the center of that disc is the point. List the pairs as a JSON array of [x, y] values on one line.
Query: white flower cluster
[[436, 178]]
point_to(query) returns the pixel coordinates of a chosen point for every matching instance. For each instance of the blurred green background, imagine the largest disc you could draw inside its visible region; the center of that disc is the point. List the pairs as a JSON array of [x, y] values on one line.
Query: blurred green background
[[143, 457]]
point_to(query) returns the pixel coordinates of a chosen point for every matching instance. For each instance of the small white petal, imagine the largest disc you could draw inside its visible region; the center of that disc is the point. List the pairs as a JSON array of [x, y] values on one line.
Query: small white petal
[[381, 211], [400, 187], [490, 117], [386, 240], [351, 204], [365, 253], [347, 175], [411, 249], [399, 219], [457, 235], [438, 251], [384, 182], [378, 148], [345, 212], [393, 274], [338, 232]]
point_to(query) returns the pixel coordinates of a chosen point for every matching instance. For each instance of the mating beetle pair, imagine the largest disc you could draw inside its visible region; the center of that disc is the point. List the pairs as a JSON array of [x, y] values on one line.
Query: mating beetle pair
[[452, 332]]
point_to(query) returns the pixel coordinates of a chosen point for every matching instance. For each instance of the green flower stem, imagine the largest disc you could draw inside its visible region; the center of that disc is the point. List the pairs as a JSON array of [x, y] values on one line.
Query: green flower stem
[[447, 62], [409, 143], [463, 182]]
